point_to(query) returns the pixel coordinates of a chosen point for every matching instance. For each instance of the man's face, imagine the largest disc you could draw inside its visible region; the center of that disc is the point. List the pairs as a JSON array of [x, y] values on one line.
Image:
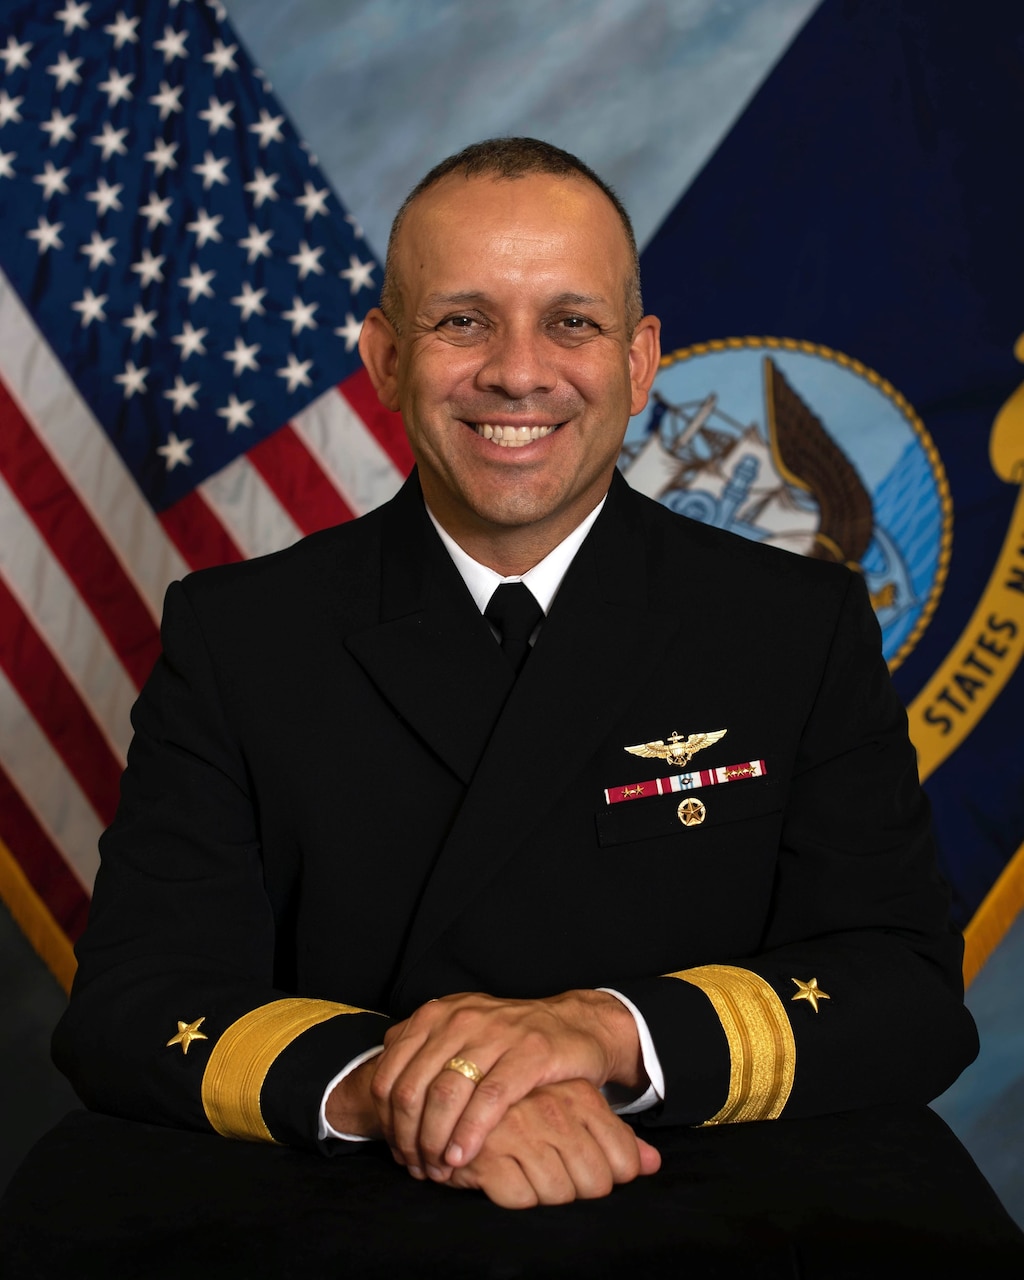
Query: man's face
[[514, 370]]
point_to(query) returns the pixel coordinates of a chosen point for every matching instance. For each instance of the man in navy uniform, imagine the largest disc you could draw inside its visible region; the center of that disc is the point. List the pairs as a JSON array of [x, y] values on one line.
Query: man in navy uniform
[[574, 806]]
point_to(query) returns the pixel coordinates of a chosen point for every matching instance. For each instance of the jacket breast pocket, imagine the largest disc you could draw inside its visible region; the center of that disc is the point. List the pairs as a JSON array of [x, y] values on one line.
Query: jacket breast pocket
[[647, 819]]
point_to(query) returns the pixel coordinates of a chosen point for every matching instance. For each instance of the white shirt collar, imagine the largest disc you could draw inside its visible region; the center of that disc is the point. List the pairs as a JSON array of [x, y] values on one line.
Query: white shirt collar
[[543, 579]]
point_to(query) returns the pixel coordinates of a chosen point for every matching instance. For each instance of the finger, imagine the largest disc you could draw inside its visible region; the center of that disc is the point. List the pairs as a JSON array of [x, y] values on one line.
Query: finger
[[650, 1158], [427, 1100], [509, 1081], [502, 1181]]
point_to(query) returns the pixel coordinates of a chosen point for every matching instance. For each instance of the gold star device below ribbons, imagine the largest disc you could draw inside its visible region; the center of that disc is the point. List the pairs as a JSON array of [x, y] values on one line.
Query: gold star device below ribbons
[[187, 1032], [811, 992]]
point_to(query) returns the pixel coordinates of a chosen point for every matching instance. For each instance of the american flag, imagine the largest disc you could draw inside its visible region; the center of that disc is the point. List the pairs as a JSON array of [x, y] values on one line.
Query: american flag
[[180, 300]]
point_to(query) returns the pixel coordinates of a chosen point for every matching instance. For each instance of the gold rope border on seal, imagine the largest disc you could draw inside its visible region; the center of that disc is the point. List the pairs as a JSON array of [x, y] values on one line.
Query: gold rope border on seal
[[762, 1050], [242, 1057], [801, 345]]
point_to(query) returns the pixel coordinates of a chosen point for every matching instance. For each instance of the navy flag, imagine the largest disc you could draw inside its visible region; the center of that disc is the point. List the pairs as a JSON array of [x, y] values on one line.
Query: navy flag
[[842, 291]]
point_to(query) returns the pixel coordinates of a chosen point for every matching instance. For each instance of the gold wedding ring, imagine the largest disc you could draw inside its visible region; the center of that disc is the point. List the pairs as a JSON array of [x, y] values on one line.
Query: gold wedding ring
[[465, 1068]]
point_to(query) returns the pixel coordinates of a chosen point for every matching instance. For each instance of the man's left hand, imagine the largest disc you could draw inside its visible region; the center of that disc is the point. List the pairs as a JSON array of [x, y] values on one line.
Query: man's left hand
[[436, 1120]]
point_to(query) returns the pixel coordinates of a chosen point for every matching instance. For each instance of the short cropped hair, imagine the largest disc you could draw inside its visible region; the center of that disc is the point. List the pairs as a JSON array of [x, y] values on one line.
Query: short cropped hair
[[511, 158]]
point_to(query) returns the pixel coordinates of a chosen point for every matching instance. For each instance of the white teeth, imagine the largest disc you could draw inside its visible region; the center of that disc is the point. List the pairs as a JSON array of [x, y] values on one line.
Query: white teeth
[[511, 437]]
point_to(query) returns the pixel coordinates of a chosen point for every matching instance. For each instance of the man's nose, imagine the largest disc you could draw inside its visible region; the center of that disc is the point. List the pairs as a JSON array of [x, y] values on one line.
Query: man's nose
[[517, 363]]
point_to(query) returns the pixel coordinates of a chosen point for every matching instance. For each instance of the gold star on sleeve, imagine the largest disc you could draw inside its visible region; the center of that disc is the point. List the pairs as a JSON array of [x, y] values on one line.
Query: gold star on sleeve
[[187, 1032], [811, 992]]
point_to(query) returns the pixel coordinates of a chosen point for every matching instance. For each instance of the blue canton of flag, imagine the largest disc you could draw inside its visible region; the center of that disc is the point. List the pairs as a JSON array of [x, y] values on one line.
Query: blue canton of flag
[[178, 247]]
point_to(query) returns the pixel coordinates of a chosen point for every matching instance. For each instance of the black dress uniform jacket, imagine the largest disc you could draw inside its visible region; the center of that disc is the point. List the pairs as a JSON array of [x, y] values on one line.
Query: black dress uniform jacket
[[340, 803]]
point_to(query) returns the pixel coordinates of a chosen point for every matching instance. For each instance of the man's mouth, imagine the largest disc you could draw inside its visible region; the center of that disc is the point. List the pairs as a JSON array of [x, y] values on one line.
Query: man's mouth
[[509, 437]]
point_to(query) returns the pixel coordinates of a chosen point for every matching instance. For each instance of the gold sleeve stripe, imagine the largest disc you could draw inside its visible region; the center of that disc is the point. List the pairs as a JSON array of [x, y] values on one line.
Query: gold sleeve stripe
[[762, 1051], [242, 1057]]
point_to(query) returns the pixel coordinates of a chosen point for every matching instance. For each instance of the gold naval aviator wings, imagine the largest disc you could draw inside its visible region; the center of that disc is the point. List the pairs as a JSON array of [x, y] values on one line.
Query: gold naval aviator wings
[[676, 749]]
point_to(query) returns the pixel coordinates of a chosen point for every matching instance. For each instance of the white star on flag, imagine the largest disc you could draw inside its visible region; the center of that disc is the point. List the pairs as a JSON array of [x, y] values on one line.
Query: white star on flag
[[191, 341], [296, 372], [141, 323], [6, 167], [90, 307], [175, 451], [313, 201], [9, 113], [242, 356], [155, 211], [65, 70], [73, 16], [212, 170], [222, 58], [301, 315], [268, 127], [236, 413], [116, 88], [250, 301], [47, 235], [105, 196], [133, 380], [123, 30], [358, 274], [307, 260], [257, 243], [111, 141], [149, 267], [162, 155], [218, 115], [59, 127], [262, 187], [197, 283], [15, 55], [172, 45], [350, 331], [98, 251], [52, 180], [205, 227], [182, 395], [168, 99]]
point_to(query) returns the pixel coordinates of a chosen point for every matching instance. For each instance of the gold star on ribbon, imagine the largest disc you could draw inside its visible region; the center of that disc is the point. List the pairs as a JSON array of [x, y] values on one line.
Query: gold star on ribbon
[[187, 1032], [811, 992]]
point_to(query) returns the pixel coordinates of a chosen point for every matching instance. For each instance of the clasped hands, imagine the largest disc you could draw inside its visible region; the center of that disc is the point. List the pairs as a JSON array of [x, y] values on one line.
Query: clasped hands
[[535, 1129]]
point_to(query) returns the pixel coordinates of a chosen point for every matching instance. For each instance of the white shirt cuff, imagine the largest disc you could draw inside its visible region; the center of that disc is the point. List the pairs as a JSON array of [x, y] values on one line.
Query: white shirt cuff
[[655, 1091], [324, 1128]]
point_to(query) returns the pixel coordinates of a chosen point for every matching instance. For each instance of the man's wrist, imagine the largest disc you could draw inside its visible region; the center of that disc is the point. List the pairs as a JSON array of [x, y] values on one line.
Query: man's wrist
[[348, 1108]]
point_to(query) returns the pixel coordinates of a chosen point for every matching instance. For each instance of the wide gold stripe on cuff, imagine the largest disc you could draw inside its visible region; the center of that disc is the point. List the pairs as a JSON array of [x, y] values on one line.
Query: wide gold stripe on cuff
[[242, 1057], [762, 1051]]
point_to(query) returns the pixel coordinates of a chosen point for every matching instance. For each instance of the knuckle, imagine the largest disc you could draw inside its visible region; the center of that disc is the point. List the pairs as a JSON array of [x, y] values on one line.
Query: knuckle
[[405, 1098], [445, 1091]]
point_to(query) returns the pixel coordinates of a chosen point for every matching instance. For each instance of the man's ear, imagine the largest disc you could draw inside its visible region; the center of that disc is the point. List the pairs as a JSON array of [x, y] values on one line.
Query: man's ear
[[378, 348], [644, 359]]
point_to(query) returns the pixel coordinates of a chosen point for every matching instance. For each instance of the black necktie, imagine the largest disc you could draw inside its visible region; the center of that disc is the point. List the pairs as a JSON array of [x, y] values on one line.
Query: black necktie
[[514, 612]]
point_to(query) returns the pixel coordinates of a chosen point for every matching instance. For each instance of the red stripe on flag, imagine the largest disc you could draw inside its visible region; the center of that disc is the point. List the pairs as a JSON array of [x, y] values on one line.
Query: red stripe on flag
[[38, 857], [297, 480], [386, 427], [57, 707], [69, 531], [197, 533]]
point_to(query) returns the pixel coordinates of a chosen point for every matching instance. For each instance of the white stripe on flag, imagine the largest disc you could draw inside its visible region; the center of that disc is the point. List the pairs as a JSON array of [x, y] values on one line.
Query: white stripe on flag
[[251, 513], [78, 445], [348, 454], [68, 628], [49, 790]]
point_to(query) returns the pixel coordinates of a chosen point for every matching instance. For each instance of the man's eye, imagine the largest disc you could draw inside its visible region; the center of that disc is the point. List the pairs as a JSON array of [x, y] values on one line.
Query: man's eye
[[462, 323], [574, 324]]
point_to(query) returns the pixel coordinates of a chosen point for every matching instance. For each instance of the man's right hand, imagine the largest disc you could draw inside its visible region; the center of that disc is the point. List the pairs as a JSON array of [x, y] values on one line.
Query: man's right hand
[[562, 1142]]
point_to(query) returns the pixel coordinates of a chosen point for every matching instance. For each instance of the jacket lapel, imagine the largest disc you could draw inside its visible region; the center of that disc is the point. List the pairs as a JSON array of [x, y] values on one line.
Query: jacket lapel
[[598, 633], [432, 654]]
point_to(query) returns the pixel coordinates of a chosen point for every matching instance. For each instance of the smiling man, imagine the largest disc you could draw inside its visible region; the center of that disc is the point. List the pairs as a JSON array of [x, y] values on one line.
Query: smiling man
[[387, 864]]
